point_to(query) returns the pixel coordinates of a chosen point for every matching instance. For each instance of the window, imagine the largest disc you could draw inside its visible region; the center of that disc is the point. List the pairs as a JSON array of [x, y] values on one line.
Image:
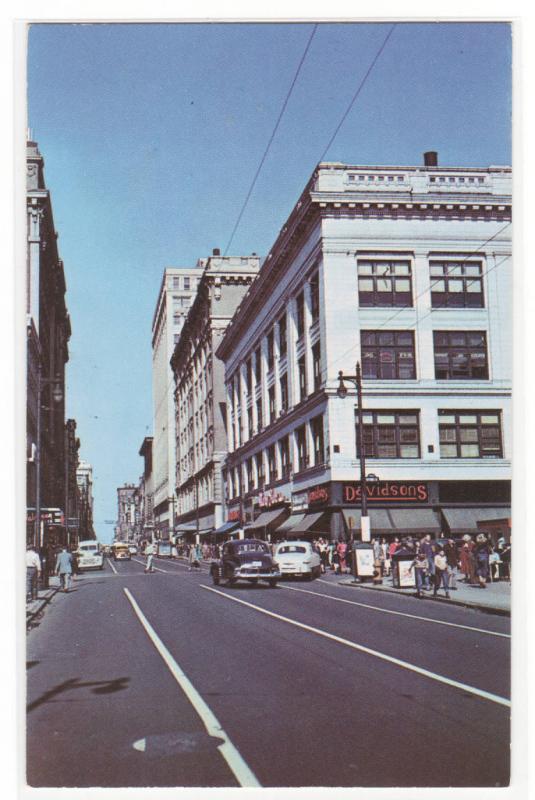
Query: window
[[270, 351], [258, 365], [186, 283], [461, 355], [284, 392], [302, 370], [250, 420], [249, 376], [316, 365], [456, 284], [249, 470], [316, 425], [389, 434], [272, 404], [260, 469], [282, 337], [300, 320], [388, 355], [176, 283], [384, 283], [286, 466], [302, 454], [315, 297], [259, 420], [469, 434], [272, 464]]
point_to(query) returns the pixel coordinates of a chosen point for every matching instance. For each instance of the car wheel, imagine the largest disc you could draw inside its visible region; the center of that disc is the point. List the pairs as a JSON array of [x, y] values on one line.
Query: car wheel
[[254, 581], [231, 581], [272, 583], [215, 577]]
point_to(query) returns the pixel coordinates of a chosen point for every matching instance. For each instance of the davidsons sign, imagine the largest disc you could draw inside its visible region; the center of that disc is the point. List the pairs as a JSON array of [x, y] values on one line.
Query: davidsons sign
[[387, 491]]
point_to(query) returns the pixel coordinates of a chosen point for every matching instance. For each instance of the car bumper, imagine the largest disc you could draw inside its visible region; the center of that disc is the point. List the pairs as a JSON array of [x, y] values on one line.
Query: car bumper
[[256, 572], [295, 569]]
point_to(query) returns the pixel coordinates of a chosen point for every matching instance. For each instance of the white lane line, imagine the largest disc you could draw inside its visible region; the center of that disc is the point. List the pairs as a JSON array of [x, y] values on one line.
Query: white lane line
[[111, 565], [156, 569], [244, 775], [398, 613], [503, 701]]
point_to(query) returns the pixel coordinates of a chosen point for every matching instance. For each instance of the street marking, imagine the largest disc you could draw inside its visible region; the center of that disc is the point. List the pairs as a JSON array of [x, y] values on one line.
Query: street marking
[[503, 701], [398, 613], [232, 756], [156, 569], [111, 565]]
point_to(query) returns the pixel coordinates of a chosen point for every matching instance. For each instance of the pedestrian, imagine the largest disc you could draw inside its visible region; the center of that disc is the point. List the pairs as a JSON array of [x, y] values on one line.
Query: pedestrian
[[467, 559], [149, 552], [341, 550], [506, 561], [64, 568], [428, 550], [420, 567], [441, 573], [193, 558], [324, 554], [452, 557], [33, 573], [482, 552], [332, 555]]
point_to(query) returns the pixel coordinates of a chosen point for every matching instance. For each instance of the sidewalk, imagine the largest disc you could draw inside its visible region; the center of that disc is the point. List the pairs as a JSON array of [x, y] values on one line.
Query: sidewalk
[[44, 597], [495, 599]]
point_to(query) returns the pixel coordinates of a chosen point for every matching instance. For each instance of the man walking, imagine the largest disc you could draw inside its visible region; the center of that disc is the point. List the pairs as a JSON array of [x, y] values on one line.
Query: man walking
[[33, 573], [149, 552], [64, 568]]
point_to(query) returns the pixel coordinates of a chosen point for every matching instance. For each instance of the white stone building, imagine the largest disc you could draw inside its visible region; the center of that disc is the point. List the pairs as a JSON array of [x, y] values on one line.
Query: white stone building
[[177, 290], [408, 271]]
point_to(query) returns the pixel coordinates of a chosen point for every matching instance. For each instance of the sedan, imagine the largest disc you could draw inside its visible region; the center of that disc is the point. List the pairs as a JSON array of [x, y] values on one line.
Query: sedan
[[298, 559]]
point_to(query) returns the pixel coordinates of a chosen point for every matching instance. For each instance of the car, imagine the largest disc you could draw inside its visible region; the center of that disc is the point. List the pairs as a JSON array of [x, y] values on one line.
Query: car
[[245, 559], [298, 559], [120, 551], [89, 555], [132, 549]]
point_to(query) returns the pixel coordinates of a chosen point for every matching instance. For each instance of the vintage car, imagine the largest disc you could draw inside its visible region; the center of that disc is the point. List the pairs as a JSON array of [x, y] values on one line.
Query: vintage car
[[245, 559], [298, 559], [89, 555]]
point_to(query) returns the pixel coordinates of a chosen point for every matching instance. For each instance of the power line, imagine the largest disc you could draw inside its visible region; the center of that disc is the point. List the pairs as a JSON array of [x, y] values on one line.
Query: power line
[[274, 131]]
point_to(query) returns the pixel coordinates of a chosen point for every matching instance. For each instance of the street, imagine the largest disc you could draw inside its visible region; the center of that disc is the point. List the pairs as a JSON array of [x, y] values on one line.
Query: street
[[165, 680]]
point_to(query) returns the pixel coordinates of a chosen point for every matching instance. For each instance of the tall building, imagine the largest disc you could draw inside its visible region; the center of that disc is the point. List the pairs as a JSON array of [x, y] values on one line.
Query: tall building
[[201, 438], [406, 270], [48, 331], [127, 513], [146, 492], [72, 448], [177, 291], [84, 479]]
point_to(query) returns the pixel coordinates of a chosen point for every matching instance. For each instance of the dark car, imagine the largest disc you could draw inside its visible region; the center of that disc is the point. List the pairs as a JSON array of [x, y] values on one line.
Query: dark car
[[245, 559]]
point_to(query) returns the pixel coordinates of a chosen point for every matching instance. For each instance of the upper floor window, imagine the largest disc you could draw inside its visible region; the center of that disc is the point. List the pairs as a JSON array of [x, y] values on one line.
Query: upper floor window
[[302, 452], [286, 465], [259, 420], [249, 376], [302, 370], [272, 464], [283, 347], [258, 365], [384, 283], [260, 469], [388, 355], [300, 320], [315, 297], [390, 434], [456, 284], [186, 282], [461, 355], [470, 434], [270, 351], [249, 470], [271, 404], [176, 283], [316, 425], [316, 365], [284, 392]]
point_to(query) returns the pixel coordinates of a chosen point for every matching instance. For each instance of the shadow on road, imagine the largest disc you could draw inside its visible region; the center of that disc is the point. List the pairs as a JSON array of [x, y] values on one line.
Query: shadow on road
[[99, 687]]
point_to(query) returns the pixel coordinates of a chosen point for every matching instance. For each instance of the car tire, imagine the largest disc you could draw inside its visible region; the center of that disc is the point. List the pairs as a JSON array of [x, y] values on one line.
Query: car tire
[[272, 583], [309, 576], [215, 577], [254, 581], [231, 581]]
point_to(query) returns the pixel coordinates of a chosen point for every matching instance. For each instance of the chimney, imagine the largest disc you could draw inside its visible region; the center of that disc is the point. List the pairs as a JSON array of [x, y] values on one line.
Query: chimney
[[431, 158], [216, 251]]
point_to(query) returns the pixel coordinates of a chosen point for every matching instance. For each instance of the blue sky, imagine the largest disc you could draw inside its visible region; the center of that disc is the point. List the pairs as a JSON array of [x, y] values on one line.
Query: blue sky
[[152, 133]]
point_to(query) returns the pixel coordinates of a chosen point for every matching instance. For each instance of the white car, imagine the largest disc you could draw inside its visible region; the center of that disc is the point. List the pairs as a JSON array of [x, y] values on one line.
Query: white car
[[298, 558], [89, 555]]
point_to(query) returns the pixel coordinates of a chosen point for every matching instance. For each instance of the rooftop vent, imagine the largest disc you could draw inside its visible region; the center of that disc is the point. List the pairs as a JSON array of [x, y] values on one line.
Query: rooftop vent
[[216, 251], [431, 158]]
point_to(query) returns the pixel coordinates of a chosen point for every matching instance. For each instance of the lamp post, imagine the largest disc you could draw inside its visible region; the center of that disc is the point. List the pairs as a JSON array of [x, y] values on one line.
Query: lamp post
[[356, 380], [57, 396]]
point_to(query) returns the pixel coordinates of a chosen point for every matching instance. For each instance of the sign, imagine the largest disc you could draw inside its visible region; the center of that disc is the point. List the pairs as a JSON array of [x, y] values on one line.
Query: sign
[[271, 497], [299, 501], [364, 561], [54, 515], [233, 516], [386, 492], [319, 495], [406, 573]]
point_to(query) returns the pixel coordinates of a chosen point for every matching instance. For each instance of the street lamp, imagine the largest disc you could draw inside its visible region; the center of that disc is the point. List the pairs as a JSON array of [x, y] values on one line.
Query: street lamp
[[356, 380], [57, 396]]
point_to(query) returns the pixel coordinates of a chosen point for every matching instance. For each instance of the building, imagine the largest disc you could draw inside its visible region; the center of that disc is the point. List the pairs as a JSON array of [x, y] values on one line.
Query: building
[[145, 492], [127, 513], [48, 331], [84, 479], [200, 400], [406, 270], [72, 448], [176, 294]]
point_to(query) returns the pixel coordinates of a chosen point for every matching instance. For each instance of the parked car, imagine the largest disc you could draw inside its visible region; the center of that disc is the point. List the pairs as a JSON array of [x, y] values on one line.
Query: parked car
[[245, 559], [298, 559], [89, 555]]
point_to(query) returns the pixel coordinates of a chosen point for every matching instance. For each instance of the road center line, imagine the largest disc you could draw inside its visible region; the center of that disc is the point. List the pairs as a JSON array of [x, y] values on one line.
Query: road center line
[[494, 698], [398, 613], [111, 565], [242, 772], [156, 569]]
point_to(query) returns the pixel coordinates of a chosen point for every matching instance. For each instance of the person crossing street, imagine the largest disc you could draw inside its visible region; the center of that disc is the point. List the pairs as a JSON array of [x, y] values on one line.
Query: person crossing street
[[149, 552], [64, 568]]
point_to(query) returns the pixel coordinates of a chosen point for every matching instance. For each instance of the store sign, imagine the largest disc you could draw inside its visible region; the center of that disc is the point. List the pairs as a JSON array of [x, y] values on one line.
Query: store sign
[[271, 498], [54, 515], [233, 516], [387, 492], [319, 495], [299, 501]]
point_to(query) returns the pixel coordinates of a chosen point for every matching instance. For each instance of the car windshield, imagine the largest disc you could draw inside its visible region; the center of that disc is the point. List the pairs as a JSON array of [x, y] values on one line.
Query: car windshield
[[292, 548], [251, 547], [89, 547]]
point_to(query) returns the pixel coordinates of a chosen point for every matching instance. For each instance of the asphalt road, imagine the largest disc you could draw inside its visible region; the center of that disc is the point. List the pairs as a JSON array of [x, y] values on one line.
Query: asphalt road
[[165, 680]]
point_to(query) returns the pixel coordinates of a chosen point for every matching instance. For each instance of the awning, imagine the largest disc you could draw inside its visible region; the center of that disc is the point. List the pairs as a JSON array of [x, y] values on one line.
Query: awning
[[380, 522], [288, 525], [269, 519], [227, 527], [306, 523], [410, 521], [464, 520], [186, 527]]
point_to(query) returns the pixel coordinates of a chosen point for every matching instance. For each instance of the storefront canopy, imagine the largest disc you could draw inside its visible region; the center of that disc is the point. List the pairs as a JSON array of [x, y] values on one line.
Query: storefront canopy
[[396, 521], [464, 520], [288, 525], [267, 520], [186, 527], [307, 522], [380, 522], [227, 527]]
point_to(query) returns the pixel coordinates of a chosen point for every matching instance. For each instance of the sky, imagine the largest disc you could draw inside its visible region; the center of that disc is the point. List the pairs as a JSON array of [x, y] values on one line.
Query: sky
[[152, 134]]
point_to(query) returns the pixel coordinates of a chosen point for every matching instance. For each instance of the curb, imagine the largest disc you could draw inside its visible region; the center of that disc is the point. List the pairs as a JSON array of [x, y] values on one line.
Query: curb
[[496, 610], [42, 602]]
